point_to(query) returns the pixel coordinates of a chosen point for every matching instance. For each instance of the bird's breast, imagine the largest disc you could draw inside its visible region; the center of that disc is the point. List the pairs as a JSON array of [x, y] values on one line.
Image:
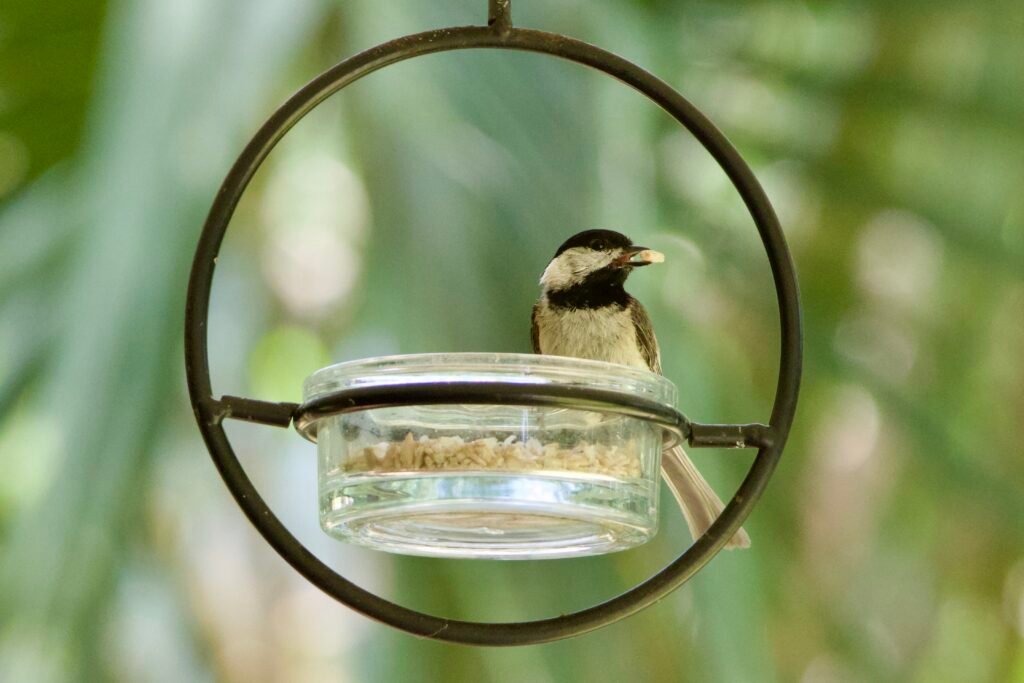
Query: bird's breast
[[607, 334]]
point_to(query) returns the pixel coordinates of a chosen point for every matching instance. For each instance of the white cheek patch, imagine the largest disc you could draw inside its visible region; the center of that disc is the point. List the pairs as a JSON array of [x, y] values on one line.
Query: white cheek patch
[[573, 266], [556, 275]]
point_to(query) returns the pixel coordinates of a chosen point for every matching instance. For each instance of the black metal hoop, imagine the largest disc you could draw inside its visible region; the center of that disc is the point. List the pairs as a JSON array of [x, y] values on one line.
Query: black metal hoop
[[210, 411], [674, 425]]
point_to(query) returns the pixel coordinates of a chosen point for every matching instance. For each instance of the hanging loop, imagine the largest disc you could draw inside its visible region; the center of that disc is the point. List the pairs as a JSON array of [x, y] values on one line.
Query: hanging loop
[[499, 16]]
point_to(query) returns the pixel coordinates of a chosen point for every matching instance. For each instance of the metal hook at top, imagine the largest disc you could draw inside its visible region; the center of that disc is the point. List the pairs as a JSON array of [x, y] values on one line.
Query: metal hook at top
[[499, 15]]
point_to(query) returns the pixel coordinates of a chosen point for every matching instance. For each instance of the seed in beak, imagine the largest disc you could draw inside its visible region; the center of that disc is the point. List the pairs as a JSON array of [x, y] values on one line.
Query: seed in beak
[[641, 256], [650, 256]]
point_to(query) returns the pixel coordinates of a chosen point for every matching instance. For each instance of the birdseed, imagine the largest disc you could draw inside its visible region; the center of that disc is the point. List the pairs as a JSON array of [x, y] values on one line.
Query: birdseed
[[511, 455]]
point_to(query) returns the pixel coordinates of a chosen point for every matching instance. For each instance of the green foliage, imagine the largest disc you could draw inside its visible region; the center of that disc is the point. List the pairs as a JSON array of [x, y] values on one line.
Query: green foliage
[[414, 213]]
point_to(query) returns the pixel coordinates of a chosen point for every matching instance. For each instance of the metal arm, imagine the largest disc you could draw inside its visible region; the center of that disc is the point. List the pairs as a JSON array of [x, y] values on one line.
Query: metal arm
[[499, 15]]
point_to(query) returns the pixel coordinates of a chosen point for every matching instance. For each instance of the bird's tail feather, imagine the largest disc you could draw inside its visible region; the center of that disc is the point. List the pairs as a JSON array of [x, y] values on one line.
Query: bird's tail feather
[[700, 504]]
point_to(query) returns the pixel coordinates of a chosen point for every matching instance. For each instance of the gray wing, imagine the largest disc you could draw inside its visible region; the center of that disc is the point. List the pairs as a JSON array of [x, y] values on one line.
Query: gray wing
[[645, 338], [534, 332]]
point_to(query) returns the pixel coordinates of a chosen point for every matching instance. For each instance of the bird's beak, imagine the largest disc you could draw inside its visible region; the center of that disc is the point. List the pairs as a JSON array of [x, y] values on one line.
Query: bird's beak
[[640, 256]]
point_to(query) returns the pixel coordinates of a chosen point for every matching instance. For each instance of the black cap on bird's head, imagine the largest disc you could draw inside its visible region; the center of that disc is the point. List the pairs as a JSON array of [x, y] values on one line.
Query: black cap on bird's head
[[595, 259], [596, 240]]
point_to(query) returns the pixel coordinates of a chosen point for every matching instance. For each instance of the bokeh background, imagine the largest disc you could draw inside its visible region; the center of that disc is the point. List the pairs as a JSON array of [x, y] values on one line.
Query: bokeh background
[[413, 212]]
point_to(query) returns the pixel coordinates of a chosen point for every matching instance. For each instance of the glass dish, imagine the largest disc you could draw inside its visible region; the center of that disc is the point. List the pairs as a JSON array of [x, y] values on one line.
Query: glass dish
[[489, 481]]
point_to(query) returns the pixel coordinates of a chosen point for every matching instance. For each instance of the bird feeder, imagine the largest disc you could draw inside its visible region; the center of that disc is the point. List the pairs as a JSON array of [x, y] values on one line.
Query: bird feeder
[[490, 455], [503, 477]]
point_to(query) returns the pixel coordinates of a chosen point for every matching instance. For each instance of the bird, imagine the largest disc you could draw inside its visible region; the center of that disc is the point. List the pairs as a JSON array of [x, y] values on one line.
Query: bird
[[584, 311]]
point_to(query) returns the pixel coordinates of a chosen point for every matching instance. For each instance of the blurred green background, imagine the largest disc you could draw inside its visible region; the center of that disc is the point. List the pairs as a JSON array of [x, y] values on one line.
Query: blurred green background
[[414, 212]]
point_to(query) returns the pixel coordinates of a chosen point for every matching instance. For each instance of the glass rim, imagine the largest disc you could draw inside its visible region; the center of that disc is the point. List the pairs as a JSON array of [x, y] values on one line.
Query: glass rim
[[490, 367]]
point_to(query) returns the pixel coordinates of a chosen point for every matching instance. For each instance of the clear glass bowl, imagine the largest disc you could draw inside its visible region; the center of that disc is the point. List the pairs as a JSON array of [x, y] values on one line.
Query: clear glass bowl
[[489, 481]]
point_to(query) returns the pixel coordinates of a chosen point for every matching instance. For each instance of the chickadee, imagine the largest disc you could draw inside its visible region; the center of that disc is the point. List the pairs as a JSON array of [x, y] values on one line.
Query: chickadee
[[583, 311]]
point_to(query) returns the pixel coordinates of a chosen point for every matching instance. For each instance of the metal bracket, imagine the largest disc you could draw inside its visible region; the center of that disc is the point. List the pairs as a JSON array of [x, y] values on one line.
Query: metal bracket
[[730, 436], [251, 410], [499, 16]]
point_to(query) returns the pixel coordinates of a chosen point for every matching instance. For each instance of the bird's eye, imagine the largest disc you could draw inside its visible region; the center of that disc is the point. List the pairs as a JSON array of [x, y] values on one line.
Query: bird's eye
[[597, 245]]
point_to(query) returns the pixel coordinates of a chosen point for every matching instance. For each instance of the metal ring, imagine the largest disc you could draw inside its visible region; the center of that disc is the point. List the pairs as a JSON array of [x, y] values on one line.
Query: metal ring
[[674, 425], [499, 36]]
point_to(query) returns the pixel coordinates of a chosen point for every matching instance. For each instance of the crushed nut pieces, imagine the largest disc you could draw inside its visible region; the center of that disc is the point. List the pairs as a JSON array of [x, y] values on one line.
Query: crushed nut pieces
[[454, 453]]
